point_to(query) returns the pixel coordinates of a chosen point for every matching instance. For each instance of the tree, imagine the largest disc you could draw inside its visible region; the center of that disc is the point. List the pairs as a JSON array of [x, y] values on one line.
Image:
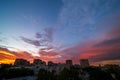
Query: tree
[[69, 74], [20, 72], [98, 74], [115, 71], [46, 75]]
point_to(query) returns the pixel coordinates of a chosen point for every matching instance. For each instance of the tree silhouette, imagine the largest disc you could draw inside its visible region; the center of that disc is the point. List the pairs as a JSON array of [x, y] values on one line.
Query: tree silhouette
[[46, 75]]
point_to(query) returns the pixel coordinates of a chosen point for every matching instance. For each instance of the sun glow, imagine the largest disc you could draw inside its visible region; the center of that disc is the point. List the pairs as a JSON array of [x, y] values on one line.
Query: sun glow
[[6, 61], [6, 53]]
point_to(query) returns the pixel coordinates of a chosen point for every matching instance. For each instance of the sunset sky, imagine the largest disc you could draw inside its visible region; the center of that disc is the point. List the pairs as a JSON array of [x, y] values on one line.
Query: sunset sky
[[56, 30]]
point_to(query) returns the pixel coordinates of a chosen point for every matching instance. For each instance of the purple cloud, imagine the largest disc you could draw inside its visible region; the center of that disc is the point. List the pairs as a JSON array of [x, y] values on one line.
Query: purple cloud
[[42, 39], [33, 42]]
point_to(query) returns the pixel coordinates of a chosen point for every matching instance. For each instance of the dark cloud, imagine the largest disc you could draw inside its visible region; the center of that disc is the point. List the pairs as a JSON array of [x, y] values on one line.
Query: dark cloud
[[50, 53], [110, 47], [110, 42], [43, 39], [38, 35], [110, 55], [30, 41], [49, 33]]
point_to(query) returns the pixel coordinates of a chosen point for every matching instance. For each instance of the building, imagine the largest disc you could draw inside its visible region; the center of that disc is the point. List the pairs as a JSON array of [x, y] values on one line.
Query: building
[[43, 62], [21, 62], [50, 63], [39, 62], [69, 62], [84, 63]]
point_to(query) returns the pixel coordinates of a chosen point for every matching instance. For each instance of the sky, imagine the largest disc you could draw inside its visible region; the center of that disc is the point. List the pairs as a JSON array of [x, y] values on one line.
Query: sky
[[57, 30]]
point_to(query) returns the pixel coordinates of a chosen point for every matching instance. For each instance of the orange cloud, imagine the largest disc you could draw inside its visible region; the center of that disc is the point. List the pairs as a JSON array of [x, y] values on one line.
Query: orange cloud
[[6, 53], [6, 61], [8, 57], [106, 62]]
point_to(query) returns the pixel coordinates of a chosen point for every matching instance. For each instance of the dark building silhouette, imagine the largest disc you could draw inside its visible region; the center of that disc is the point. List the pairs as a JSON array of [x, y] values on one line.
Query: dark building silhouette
[[21, 62], [84, 63], [43, 62], [39, 62], [50, 63], [69, 62]]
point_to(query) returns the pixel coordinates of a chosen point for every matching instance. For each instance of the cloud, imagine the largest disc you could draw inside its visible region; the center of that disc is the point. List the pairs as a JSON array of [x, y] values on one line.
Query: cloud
[[79, 15], [38, 35], [113, 54], [42, 39], [109, 42], [114, 32], [81, 19], [49, 33], [110, 45], [94, 54], [48, 54], [95, 50], [7, 56], [30, 41]]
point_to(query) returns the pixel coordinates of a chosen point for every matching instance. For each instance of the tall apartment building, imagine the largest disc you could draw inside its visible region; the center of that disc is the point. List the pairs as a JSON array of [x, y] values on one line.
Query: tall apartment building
[[84, 63]]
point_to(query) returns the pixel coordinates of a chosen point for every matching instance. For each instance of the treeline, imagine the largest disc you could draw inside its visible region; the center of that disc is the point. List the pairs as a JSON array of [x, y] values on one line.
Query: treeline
[[73, 73], [16, 72], [77, 74], [99, 74], [65, 74]]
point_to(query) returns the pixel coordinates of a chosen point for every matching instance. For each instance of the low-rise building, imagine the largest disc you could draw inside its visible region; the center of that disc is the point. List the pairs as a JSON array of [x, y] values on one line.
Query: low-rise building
[[69, 62], [50, 63], [84, 63], [21, 62], [39, 62]]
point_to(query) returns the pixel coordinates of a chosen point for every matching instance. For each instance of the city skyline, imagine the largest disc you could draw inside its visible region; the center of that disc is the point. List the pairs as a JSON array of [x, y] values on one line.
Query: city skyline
[[59, 30]]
